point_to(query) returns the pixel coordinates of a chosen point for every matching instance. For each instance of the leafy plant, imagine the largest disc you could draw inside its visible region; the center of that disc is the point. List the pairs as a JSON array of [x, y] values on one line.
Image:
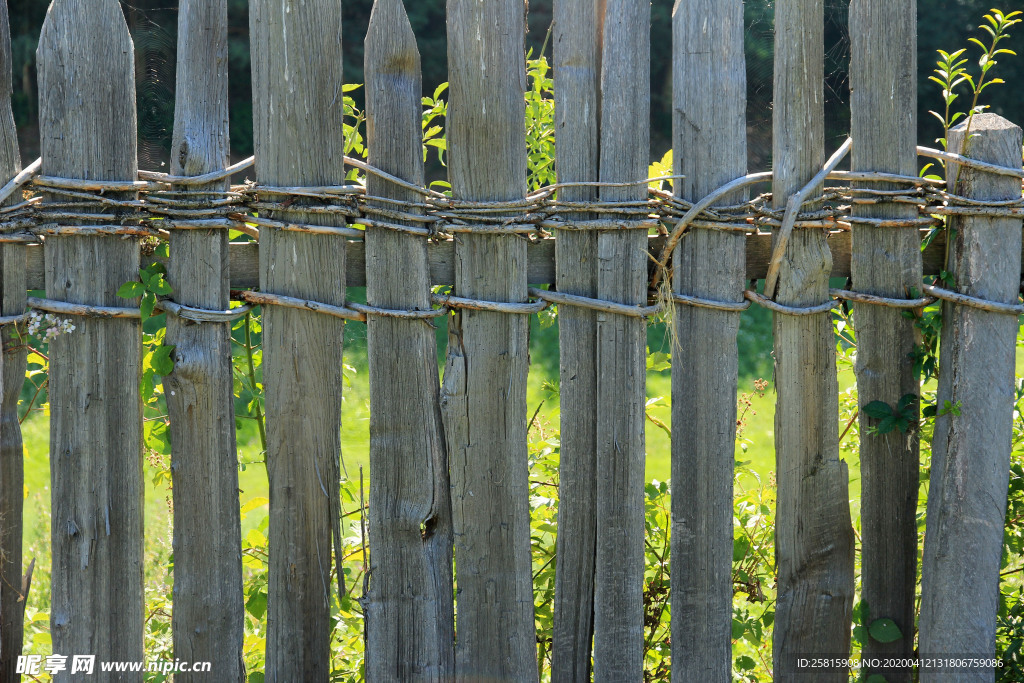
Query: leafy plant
[[951, 72], [900, 416]]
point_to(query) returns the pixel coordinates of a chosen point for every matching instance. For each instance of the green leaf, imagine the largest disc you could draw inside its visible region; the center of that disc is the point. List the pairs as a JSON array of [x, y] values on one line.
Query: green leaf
[[130, 290], [876, 678], [162, 362], [878, 410], [738, 629], [256, 605], [906, 401], [158, 285], [147, 305], [887, 425], [745, 663], [885, 630]]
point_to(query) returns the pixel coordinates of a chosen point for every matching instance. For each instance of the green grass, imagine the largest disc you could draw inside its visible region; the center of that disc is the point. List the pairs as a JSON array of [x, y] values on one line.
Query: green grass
[[355, 436]]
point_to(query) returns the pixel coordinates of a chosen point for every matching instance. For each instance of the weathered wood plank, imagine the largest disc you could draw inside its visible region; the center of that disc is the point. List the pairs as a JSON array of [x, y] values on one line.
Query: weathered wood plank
[[887, 262], [13, 292], [208, 616], [971, 447], [540, 260], [813, 532], [299, 140], [88, 130], [709, 139], [621, 349], [577, 74], [483, 396], [410, 631]]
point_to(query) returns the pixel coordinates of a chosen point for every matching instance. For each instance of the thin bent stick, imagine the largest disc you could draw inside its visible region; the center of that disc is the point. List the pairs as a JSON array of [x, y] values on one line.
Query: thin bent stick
[[794, 204]]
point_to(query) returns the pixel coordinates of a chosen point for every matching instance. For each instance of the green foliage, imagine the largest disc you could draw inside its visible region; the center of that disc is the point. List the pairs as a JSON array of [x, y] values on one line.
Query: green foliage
[[540, 124], [900, 416], [885, 631], [951, 73]]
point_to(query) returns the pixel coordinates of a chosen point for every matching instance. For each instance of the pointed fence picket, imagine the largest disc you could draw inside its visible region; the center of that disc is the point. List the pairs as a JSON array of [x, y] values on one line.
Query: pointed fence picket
[[208, 615], [87, 131], [409, 605]]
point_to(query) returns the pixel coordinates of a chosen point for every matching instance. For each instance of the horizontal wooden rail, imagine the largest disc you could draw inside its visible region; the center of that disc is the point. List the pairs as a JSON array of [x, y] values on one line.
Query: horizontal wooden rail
[[541, 260]]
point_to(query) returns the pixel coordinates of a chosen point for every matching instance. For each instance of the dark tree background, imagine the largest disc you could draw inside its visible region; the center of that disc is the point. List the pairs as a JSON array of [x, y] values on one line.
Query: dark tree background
[[942, 24]]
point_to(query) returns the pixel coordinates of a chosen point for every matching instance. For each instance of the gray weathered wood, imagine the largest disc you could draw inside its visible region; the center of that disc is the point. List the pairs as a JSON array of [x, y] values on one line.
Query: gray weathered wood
[[887, 262], [87, 130], [299, 140], [13, 290], [409, 608], [971, 447], [621, 349], [813, 532], [577, 74], [483, 396], [710, 149], [540, 260], [208, 616]]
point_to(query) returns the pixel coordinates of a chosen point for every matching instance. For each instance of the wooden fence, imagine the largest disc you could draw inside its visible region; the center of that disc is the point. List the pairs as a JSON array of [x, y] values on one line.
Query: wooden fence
[[448, 461]]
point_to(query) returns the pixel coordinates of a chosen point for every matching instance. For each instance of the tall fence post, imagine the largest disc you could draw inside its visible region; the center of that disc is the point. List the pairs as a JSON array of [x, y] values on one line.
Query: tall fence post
[[208, 615], [710, 149], [87, 129], [410, 632], [13, 292], [577, 73], [483, 396], [971, 448], [813, 532], [886, 262], [299, 141], [622, 348]]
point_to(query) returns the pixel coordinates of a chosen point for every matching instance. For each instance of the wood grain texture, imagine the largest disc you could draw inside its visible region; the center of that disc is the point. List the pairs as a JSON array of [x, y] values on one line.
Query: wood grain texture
[[299, 140], [578, 28], [621, 349], [410, 630], [971, 448], [88, 130], [887, 262], [208, 617], [709, 139], [483, 396], [13, 291], [540, 257], [813, 534]]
